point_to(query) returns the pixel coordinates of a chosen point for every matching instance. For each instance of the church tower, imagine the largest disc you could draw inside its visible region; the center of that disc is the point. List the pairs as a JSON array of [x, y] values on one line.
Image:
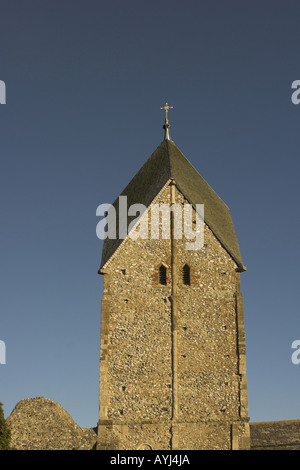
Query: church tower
[[172, 347]]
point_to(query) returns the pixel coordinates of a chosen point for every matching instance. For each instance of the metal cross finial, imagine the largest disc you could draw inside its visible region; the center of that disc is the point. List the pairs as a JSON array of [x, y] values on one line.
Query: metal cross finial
[[166, 108], [166, 125]]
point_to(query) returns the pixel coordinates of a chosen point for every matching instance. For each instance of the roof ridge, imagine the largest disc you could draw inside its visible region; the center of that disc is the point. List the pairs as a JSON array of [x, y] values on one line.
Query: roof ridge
[[187, 160]]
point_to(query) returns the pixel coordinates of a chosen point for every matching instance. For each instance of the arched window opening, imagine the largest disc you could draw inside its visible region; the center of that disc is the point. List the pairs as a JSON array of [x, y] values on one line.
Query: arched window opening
[[186, 275], [162, 275]]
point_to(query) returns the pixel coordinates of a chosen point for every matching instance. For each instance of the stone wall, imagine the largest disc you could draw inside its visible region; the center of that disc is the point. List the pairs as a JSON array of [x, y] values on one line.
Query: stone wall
[[199, 385], [42, 424], [275, 435]]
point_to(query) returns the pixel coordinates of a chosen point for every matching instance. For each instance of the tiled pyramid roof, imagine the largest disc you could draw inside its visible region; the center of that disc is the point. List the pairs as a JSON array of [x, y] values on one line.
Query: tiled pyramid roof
[[167, 162]]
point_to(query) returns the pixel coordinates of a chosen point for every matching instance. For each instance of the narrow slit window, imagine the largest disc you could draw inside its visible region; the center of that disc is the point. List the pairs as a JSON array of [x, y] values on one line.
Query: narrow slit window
[[163, 275], [186, 275]]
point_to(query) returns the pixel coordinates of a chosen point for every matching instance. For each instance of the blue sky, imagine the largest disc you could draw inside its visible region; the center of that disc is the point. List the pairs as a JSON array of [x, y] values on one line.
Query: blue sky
[[85, 81]]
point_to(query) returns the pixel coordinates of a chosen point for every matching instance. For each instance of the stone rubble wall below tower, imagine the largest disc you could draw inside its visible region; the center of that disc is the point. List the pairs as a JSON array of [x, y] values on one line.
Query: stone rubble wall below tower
[[275, 435], [42, 424]]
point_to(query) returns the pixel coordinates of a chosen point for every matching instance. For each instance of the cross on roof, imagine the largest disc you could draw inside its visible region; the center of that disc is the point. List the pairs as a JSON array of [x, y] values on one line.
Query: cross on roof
[[166, 108]]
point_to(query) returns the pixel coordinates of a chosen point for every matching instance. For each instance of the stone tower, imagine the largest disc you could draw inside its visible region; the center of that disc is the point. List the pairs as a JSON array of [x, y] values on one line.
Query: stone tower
[[172, 348]]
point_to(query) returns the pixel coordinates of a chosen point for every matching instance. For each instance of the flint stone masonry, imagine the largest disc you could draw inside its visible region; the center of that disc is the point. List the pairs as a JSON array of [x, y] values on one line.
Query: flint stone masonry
[[275, 435], [42, 424], [138, 382]]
